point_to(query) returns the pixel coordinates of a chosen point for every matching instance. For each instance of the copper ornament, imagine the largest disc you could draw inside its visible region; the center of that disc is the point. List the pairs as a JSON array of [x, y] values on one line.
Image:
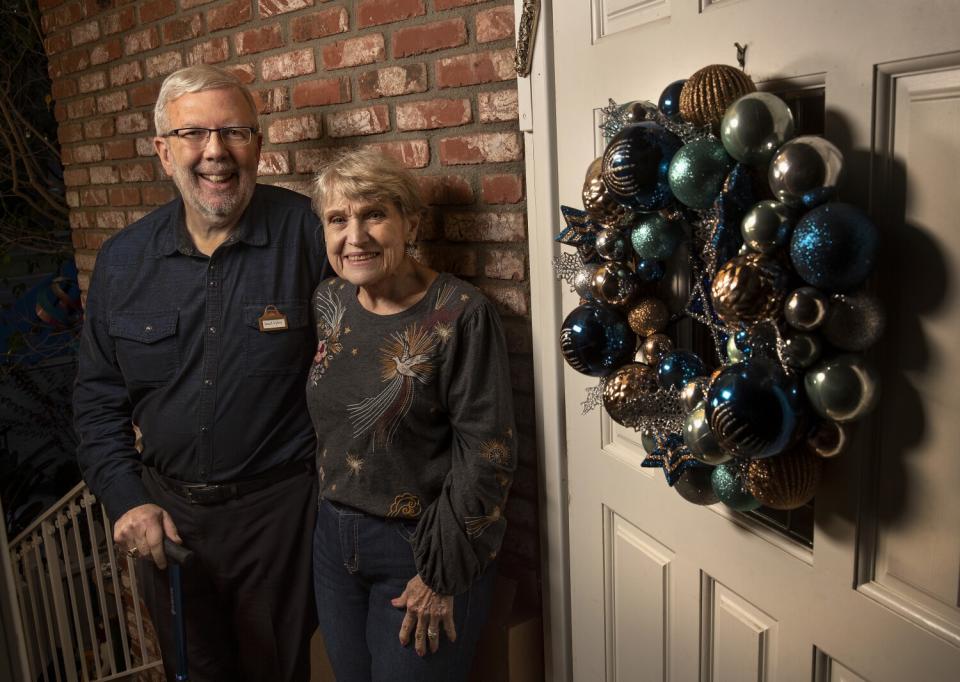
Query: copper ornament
[[655, 347], [626, 388], [648, 316], [748, 289], [785, 481], [597, 201], [707, 93]]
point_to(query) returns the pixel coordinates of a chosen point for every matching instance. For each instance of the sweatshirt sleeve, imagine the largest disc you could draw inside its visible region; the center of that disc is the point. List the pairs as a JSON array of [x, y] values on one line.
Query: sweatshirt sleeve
[[461, 532]]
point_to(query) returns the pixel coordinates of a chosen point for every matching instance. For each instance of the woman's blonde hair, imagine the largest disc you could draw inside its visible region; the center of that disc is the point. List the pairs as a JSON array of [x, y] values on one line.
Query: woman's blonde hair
[[197, 78], [367, 174]]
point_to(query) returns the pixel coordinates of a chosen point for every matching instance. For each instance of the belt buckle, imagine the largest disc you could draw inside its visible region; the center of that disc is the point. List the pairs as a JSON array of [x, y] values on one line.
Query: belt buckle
[[210, 494]]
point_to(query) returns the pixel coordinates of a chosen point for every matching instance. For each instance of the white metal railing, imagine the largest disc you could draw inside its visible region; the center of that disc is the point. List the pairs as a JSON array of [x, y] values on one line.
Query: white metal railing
[[80, 609]]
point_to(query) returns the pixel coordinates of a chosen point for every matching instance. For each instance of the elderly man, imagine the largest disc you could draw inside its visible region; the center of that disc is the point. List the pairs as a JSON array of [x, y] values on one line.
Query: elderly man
[[197, 333]]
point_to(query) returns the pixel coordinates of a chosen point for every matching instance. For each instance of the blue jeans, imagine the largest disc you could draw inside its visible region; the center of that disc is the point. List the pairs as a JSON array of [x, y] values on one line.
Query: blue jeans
[[360, 563]]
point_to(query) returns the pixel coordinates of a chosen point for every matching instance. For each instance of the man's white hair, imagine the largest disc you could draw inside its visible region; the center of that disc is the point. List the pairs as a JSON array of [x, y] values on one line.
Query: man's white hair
[[195, 79]]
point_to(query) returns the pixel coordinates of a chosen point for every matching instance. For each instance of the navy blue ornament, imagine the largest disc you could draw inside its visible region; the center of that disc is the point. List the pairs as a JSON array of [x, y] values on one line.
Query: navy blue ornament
[[595, 340], [834, 247], [650, 269], [695, 487], [678, 368], [754, 409], [669, 103], [635, 166]]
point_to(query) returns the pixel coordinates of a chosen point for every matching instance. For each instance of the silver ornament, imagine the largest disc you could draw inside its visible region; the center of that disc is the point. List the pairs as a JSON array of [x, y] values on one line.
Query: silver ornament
[[843, 388], [693, 393], [700, 440], [766, 227], [611, 244], [801, 350], [806, 308]]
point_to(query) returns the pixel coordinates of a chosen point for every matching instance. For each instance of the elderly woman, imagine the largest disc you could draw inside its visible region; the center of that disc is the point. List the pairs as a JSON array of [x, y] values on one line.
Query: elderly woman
[[410, 396]]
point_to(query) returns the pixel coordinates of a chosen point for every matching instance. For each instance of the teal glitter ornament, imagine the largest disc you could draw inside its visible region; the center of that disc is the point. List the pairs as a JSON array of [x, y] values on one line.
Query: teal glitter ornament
[[755, 126], [729, 488], [657, 237], [697, 172]]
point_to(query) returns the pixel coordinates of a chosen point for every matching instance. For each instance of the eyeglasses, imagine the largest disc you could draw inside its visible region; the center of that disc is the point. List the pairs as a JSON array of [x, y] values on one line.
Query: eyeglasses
[[231, 136]]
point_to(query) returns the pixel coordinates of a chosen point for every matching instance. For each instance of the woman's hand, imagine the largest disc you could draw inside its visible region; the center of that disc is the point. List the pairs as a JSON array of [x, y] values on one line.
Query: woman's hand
[[426, 610]]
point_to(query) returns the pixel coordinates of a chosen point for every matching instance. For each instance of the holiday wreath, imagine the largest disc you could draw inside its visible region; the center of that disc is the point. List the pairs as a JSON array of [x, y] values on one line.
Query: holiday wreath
[[710, 189]]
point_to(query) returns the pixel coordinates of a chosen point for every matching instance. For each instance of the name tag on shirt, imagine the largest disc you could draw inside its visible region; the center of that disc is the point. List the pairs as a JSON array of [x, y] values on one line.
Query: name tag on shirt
[[272, 320]]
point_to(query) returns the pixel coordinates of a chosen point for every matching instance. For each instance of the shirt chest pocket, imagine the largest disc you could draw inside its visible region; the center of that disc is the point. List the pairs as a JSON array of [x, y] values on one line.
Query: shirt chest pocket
[[285, 347], [146, 345]]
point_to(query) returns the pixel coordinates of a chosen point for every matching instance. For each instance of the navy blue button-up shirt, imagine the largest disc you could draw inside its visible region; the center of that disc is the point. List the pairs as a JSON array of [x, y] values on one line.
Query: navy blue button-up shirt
[[172, 344]]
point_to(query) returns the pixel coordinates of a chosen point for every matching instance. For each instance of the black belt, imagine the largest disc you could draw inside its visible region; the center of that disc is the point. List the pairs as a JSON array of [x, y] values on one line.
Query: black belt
[[216, 493]]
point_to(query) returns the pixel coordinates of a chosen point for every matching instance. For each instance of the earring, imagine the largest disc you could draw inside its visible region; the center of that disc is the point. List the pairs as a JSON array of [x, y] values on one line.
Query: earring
[[411, 250]]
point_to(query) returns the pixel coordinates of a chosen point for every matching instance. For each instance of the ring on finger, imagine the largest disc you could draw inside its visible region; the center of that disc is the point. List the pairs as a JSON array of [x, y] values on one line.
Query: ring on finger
[[133, 552], [433, 634]]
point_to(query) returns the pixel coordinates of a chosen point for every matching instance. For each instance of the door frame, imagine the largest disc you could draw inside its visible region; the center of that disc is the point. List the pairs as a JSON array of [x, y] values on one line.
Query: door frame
[[536, 97]]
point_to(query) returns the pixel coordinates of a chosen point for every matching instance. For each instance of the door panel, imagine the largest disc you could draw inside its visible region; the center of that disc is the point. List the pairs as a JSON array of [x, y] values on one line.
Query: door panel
[[664, 590]]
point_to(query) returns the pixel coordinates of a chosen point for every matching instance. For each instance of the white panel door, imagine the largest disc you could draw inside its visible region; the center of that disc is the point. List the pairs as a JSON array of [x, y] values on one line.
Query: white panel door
[[665, 590]]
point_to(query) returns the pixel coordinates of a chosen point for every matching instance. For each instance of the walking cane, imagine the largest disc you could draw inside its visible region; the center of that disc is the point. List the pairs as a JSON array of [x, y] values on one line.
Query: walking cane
[[178, 556]]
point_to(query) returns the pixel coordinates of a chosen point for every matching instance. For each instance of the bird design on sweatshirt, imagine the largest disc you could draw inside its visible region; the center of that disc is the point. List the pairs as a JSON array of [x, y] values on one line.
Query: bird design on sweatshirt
[[407, 359]]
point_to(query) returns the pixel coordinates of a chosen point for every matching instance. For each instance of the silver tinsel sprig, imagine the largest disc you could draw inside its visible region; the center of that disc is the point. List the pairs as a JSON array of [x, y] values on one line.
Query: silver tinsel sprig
[[616, 117], [566, 266], [660, 413], [594, 397]]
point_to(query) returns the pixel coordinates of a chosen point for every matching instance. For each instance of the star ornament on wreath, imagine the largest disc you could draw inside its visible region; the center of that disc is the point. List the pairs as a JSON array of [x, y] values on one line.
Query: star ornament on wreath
[[712, 185]]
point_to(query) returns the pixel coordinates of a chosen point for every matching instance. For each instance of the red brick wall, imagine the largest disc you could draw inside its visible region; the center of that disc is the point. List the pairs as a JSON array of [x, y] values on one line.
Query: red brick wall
[[428, 81]]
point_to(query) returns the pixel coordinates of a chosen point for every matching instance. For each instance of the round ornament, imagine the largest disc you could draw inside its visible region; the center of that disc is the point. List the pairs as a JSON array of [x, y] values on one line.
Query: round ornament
[[648, 316], [834, 246], [805, 171], [649, 269], [676, 369], [597, 201], [828, 439], [626, 387], [669, 102], [695, 487], [656, 347], [637, 111], [734, 354], [657, 237], [748, 289], [583, 281], [730, 488], [697, 172], [594, 340], [767, 225], [754, 127], [806, 308], [700, 440], [753, 409], [854, 322], [693, 393], [843, 388], [787, 481], [635, 166], [649, 441], [706, 95], [615, 284], [611, 244], [758, 342], [801, 350]]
